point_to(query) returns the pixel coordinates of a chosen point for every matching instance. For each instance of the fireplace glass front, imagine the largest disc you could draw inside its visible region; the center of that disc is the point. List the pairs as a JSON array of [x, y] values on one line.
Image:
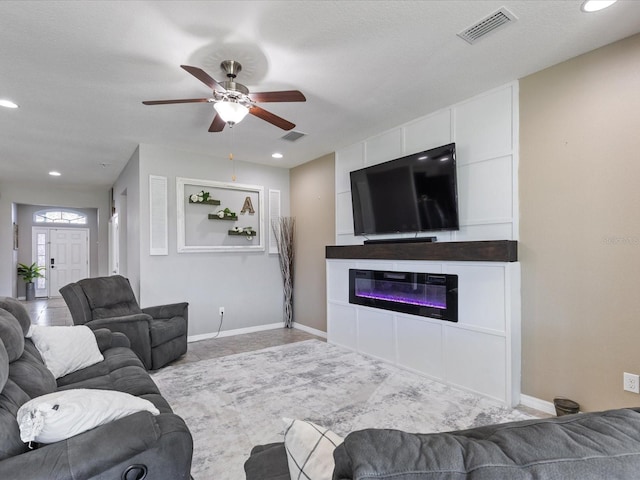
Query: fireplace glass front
[[426, 294]]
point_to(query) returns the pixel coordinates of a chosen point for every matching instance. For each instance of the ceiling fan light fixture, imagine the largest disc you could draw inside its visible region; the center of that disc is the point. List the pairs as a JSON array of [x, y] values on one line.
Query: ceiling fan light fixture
[[8, 103], [589, 6], [231, 112]]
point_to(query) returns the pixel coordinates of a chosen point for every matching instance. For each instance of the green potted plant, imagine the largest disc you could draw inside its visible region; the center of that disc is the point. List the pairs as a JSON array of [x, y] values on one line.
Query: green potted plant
[[28, 273]]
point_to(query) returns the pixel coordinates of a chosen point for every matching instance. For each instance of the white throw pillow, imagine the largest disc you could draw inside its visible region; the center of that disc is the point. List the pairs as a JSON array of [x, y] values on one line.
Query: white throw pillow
[[60, 415], [309, 450], [65, 349]]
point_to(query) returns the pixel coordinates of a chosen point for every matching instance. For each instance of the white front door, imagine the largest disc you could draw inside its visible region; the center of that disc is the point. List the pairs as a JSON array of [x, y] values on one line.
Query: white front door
[[68, 257]]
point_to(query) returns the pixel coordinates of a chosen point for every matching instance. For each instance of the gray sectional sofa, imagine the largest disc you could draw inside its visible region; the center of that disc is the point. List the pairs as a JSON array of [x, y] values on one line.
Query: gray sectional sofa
[[589, 446], [160, 445]]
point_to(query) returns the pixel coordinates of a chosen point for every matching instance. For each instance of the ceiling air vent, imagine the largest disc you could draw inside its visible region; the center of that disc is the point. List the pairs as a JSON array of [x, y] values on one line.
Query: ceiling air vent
[[292, 136], [488, 24]]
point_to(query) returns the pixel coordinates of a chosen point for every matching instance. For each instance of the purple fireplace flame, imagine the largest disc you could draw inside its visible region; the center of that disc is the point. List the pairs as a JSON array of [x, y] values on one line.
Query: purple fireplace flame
[[426, 294], [402, 299], [422, 295]]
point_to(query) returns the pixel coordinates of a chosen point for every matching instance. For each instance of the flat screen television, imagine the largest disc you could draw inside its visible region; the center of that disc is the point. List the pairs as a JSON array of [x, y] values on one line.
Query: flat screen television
[[416, 193]]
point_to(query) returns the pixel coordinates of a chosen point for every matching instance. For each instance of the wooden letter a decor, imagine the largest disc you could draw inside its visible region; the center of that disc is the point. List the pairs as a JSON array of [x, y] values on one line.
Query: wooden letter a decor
[[247, 206]]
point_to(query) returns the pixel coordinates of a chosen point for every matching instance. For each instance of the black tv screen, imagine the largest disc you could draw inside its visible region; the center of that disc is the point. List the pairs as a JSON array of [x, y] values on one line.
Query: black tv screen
[[416, 193]]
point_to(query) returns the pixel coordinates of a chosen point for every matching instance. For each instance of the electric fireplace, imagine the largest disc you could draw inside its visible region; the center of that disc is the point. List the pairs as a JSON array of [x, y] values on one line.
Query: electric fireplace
[[432, 295]]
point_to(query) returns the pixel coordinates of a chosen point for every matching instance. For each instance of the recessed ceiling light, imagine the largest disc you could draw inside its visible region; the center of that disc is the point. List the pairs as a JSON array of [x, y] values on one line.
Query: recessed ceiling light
[[53, 173], [276, 155], [8, 103], [596, 5]]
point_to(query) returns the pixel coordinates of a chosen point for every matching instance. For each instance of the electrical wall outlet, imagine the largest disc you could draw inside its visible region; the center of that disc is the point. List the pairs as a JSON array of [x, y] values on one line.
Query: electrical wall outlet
[[631, 382], [221, 312]]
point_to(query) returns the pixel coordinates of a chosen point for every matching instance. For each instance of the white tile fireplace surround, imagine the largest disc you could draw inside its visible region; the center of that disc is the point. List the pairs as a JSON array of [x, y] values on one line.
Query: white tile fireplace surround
[[480, 352]]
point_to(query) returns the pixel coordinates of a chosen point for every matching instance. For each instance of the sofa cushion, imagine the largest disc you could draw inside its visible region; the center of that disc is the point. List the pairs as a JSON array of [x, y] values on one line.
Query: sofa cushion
[[30, 374], [11, 399], [110, 296], [77, 302], [121, 370], [11, 335], [15, 308], [66, 349], [267, 462], [164, 330], [61, 415]]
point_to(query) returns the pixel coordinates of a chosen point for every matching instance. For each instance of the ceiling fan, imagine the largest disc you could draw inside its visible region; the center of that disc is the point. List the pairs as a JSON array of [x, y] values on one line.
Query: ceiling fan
[[233, 101]]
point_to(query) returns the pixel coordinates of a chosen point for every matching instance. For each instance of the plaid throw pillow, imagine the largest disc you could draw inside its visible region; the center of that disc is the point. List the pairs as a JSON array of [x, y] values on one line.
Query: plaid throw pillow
[[309, 450]]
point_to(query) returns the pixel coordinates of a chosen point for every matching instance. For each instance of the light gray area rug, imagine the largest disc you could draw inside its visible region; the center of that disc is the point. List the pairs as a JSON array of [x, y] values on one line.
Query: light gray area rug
[[233, 403]]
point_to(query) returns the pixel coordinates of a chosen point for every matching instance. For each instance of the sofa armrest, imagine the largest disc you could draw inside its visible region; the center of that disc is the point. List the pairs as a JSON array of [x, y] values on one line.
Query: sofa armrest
[[135, 327], [168, 311], [162, 443], [122, 320], [107, 339], [268, 462], [588, 446]]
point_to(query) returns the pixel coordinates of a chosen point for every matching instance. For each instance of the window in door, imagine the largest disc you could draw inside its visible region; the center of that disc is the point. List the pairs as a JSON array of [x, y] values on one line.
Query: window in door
[[60, 216]]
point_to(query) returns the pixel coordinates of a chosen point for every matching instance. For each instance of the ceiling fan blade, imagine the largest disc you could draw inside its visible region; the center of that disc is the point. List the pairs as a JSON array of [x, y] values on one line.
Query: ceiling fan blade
[[204, 77], [281, 96], [183, 100], [271, 118], [218, 124]]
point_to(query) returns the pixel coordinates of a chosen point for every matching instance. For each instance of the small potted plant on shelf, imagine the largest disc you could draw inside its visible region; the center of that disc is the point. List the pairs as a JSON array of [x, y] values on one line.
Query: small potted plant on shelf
[[199, 197], [28, 273], [226, 213]]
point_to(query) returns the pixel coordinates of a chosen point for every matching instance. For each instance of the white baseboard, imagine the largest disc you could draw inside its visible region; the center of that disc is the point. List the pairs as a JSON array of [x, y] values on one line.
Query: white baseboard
[[237, 331], [533, 402], [259, 328], [312, 331]]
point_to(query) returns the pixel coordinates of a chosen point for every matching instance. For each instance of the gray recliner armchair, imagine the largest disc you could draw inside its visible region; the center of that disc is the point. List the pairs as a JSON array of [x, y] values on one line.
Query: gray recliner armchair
[[158, 335]]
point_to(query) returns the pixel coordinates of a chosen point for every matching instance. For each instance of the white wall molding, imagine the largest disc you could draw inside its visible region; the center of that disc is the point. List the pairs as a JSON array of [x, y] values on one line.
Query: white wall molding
[[485, 129], [237, 331], [537, 404], [470, 354], [312, 331], [479, 353], [260, 328]]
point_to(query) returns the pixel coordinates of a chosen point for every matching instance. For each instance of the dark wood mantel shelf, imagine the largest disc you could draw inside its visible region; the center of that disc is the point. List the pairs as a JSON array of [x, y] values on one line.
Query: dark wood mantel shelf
[[482, 251]]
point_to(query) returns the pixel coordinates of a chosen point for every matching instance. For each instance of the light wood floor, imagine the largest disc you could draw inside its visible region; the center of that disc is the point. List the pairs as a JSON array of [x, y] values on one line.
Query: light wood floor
[[54, 312]]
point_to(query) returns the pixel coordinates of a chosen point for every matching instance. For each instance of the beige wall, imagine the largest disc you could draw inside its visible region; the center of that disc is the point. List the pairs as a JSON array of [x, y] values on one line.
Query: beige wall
[[313, 205], [580, 227]]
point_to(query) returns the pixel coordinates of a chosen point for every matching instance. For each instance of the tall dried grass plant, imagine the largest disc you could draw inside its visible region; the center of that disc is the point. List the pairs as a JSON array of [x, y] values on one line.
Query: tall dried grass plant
[[284, 231]]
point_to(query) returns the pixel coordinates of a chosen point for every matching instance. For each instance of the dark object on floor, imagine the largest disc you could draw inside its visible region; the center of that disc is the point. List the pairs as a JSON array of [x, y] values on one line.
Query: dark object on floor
[[158, 335], [588, 446], [564, 406], [268, 462], [122, 449]]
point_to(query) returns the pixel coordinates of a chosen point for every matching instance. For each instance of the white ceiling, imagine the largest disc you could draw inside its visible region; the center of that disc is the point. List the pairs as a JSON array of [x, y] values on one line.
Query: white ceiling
[[80, 70]]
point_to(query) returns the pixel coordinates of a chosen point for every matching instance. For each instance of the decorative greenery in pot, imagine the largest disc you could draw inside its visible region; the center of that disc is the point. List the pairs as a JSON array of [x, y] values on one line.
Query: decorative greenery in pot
[[28, 273], [226, 213]]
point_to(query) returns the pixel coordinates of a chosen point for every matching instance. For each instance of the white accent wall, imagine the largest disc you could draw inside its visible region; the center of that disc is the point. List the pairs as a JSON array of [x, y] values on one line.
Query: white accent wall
[[481, 352], [485, 130]]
